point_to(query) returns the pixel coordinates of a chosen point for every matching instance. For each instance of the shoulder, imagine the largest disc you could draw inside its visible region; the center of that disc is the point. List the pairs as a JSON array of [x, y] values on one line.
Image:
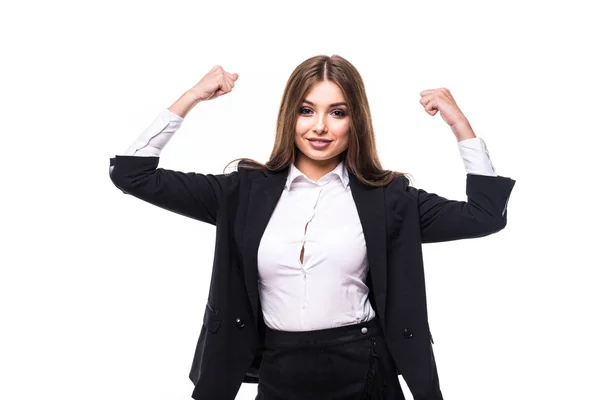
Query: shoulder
[[399, 183], [250, 170], [400, 190]]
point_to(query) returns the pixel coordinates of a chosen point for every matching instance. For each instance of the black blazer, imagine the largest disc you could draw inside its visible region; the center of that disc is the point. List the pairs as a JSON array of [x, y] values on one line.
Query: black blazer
[[396, 220]]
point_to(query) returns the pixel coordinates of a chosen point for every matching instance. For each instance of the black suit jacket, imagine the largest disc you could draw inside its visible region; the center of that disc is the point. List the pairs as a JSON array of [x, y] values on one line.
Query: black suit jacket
[[396, 220]]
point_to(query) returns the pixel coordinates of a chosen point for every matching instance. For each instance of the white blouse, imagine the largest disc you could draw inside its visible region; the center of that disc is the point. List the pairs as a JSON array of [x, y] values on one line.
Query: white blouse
[[327, 289]]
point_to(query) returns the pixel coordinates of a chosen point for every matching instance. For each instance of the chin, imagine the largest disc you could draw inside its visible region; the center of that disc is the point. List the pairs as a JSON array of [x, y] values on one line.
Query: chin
[[323, 157]]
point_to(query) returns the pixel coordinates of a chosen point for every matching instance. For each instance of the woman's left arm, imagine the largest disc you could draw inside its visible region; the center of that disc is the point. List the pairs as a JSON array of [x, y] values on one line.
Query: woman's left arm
[[484, 212]]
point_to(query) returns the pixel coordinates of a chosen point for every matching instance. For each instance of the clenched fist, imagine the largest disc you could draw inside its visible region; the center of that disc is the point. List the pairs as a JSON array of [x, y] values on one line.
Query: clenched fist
[[440, 99], [215, 83]]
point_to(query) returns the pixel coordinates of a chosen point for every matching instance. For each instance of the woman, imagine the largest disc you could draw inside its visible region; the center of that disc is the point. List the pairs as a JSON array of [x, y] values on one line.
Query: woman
[[317, 288]]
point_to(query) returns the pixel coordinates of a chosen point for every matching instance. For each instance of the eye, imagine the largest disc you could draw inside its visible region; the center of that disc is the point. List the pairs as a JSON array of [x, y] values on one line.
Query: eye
[[338, 113]]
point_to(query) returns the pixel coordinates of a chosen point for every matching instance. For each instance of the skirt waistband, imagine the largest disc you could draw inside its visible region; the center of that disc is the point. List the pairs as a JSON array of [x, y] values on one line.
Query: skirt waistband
[[322, 337]]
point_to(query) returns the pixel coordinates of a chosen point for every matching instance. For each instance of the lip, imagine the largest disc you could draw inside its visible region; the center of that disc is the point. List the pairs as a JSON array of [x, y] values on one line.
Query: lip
[[320, 140], [319, 144]]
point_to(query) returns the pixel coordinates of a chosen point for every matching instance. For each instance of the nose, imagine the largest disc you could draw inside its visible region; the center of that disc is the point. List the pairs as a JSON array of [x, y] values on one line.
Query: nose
[[320, 125]]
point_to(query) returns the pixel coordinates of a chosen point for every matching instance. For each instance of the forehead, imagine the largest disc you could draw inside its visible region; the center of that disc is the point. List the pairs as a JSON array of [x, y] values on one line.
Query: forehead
[[325, 92]]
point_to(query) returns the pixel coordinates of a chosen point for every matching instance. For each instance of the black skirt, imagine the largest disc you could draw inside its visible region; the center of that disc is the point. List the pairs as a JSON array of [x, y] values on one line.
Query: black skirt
[[349, 362]]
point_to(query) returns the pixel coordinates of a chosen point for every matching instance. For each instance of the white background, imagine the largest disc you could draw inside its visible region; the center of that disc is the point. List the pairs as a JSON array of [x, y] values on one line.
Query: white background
[[102, 295]]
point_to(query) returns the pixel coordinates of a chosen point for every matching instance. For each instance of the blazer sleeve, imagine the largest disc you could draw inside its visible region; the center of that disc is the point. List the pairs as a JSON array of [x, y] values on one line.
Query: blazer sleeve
[[484, 212], [190, 194]]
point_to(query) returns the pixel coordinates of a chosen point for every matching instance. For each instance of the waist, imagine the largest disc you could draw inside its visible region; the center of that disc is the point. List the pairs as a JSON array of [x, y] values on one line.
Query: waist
[[321, 337]]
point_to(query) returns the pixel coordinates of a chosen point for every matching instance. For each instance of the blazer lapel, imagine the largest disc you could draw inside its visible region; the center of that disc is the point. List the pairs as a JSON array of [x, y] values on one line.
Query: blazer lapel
[[264, 193], [370, 204]]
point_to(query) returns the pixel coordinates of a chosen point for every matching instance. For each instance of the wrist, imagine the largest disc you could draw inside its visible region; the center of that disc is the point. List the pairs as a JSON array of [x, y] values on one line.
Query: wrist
[[184, 104], [193, 96], [462, 130]]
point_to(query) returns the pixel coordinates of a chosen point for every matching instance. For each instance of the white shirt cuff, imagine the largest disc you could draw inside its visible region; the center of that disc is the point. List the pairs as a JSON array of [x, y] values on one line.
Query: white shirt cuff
[[155, 137], [476, 157]]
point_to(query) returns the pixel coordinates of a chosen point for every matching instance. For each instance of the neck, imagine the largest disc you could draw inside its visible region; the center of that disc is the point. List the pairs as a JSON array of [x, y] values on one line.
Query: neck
[[316, 169]]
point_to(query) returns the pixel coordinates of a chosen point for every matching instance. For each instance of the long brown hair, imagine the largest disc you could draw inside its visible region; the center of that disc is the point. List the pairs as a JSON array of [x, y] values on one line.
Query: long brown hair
[[361, 156]]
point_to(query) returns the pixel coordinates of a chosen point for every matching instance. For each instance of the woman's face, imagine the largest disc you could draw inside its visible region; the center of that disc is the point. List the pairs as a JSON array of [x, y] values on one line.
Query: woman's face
[[322, 115]]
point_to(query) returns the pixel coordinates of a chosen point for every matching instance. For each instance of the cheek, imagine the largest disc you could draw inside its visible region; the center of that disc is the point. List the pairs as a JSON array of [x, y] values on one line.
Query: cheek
[[341, 129], [303, 125]]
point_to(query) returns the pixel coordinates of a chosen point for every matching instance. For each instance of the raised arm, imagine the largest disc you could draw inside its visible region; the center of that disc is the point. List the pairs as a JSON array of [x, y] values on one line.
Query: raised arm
[[484, 212], [190, 194]]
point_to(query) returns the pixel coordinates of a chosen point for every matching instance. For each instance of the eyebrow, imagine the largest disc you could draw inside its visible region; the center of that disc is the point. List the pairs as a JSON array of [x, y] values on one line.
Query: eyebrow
[[331, 105]]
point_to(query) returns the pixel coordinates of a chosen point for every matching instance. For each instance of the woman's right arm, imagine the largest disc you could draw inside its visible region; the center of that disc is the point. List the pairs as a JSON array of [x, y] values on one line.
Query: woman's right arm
[[190, 194]]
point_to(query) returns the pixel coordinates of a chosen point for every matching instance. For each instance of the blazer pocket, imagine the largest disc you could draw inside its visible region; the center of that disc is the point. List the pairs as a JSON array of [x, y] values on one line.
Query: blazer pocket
[[212, 320]]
